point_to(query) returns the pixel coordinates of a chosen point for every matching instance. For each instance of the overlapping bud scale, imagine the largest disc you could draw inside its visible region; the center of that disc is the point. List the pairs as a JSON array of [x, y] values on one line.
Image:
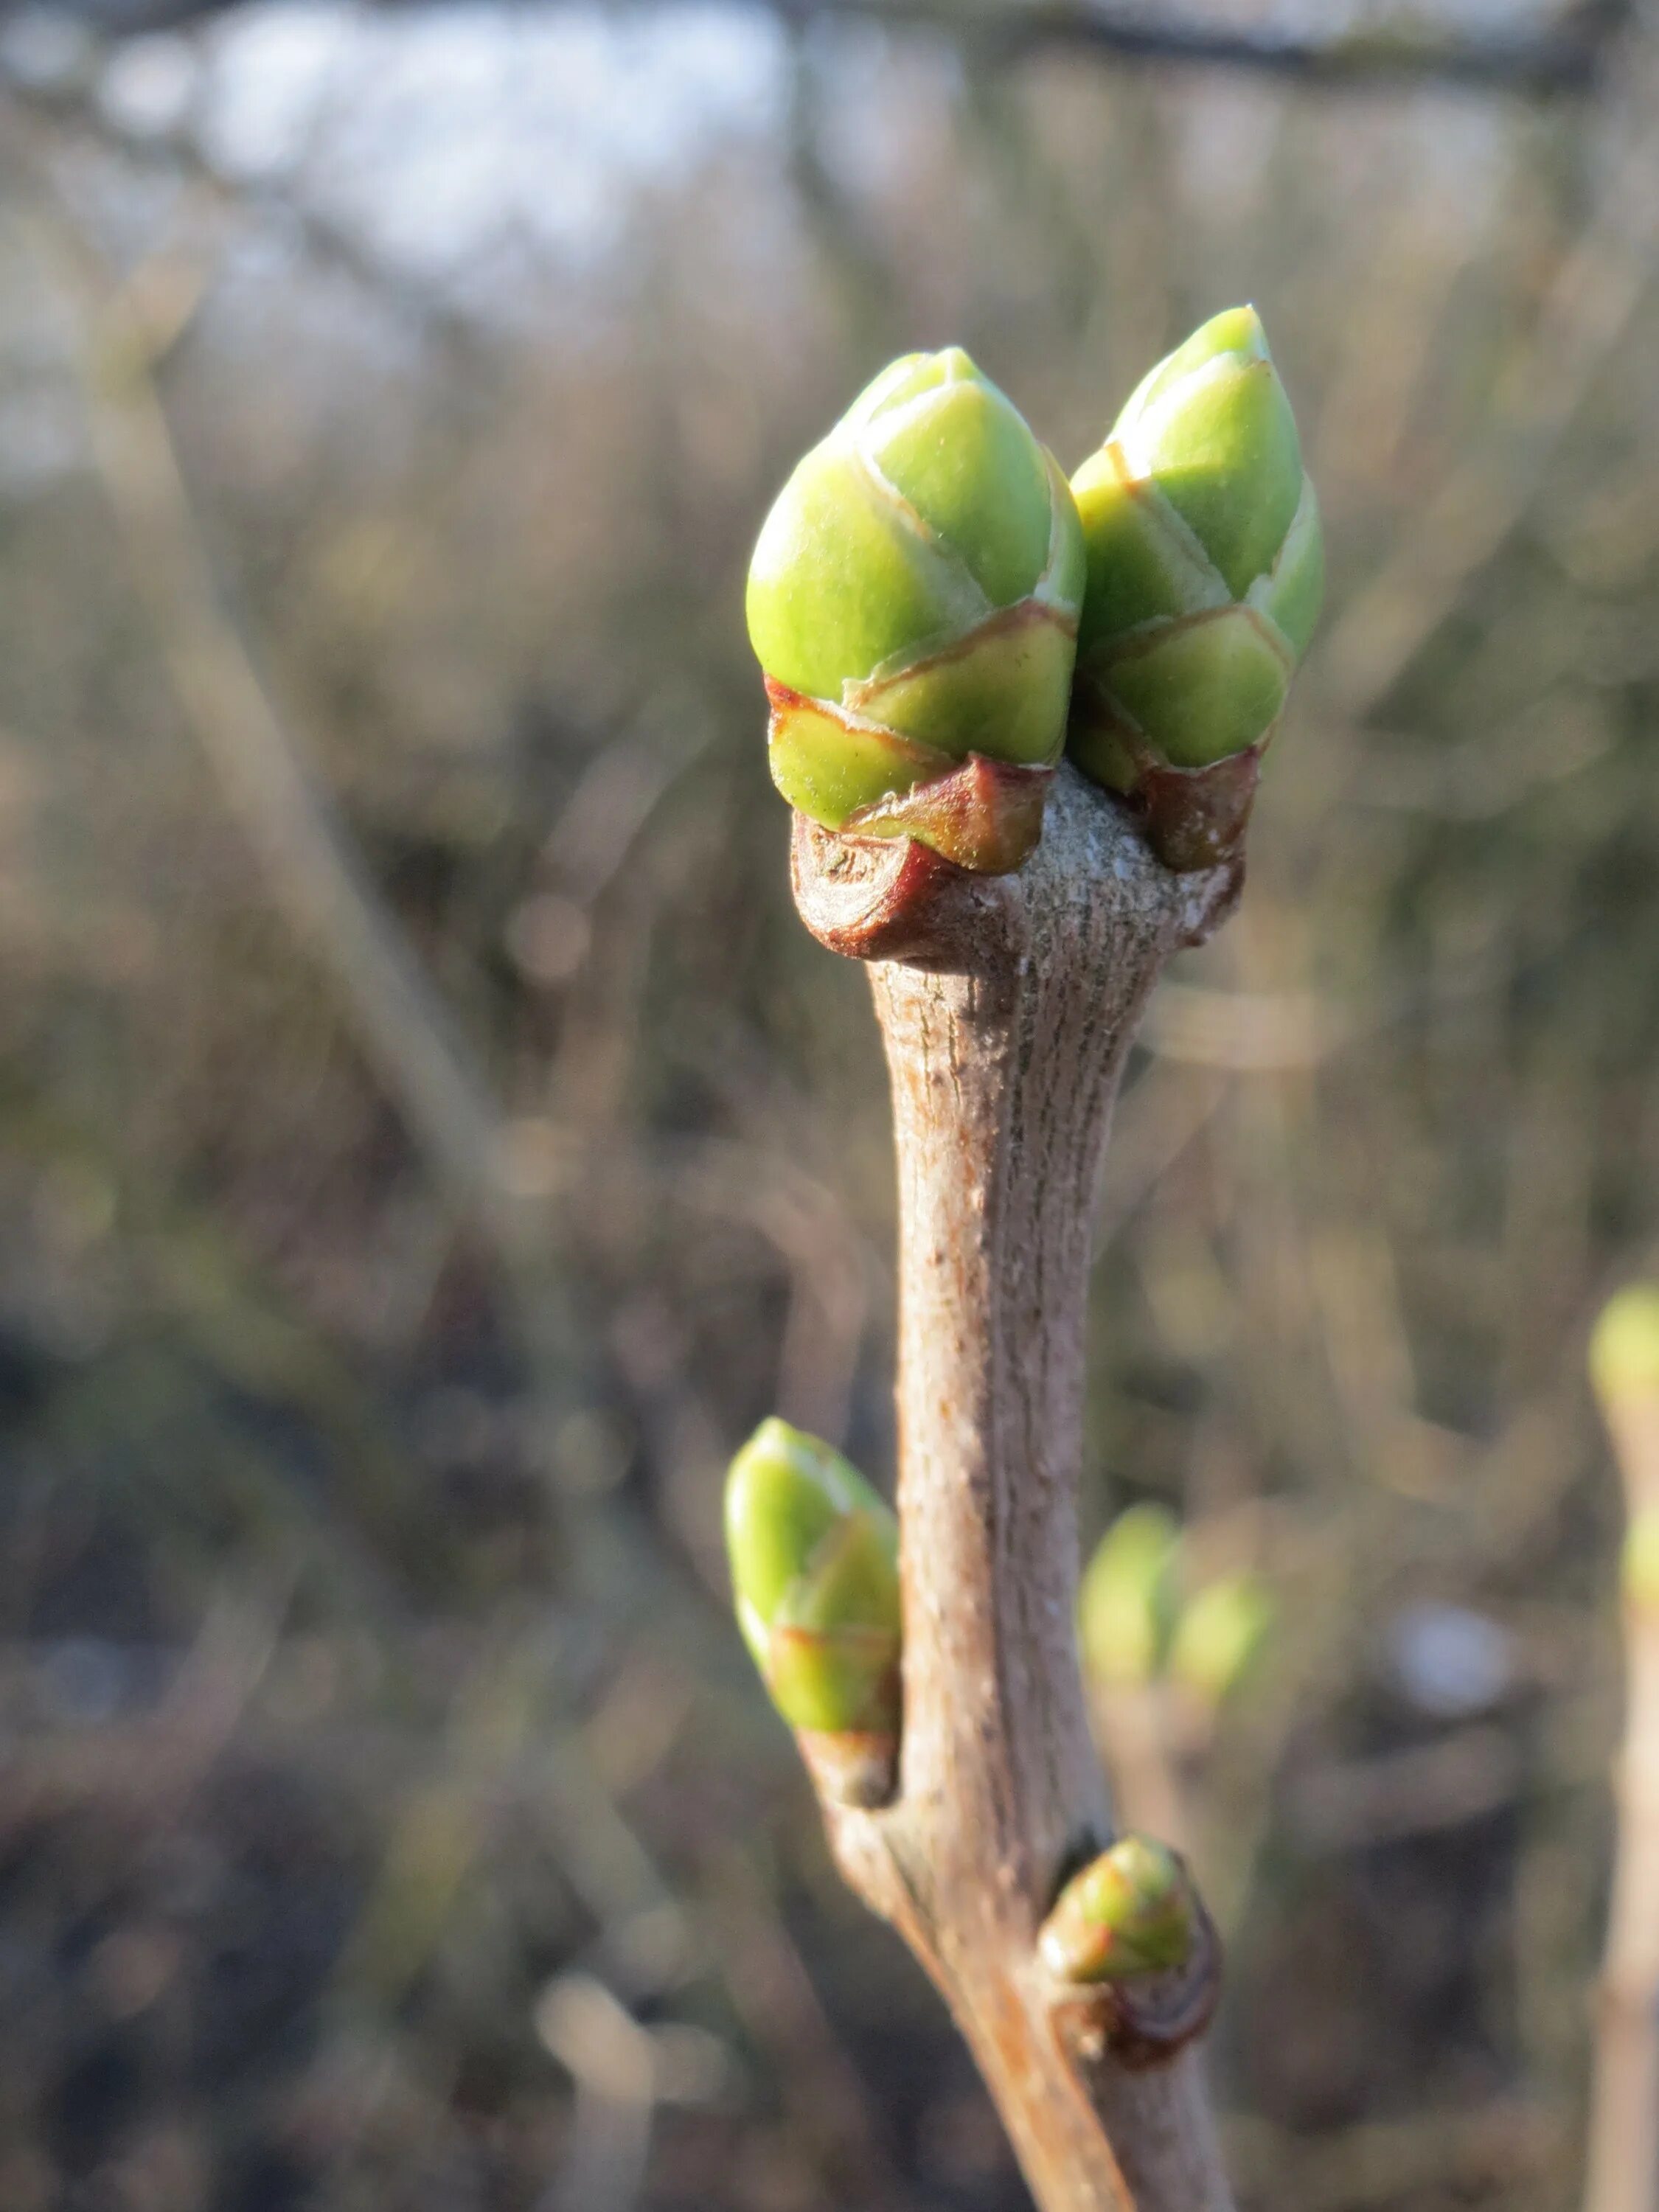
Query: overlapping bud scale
[[1205, 577], [914, 602], [1131, 1911], [814, 1557]]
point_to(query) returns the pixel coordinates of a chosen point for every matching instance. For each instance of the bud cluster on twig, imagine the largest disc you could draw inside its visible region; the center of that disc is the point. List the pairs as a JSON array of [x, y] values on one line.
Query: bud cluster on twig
[[940, 615], [940, 619]]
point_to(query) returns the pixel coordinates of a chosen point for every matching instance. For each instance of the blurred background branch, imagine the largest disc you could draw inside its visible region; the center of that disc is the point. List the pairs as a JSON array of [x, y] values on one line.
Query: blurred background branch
[[1403, 45], [285, 814], [373, 1737]]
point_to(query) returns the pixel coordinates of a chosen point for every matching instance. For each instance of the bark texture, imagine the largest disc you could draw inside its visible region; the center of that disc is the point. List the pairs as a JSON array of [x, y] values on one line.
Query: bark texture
[[1007, 1005]]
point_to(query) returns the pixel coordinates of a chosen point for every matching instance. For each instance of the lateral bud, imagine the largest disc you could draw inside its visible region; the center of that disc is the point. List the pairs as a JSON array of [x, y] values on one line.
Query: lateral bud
[[814, 1556], [1132, 1910], [1135, 1956]]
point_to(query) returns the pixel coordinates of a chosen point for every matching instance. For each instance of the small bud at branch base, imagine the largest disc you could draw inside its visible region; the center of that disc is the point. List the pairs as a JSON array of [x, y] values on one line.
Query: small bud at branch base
[[814, 1555], [1132, 1910]]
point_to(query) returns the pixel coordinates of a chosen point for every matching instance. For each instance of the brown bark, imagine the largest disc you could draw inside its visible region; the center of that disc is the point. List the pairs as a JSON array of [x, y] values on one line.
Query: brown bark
[[1007, 1005]]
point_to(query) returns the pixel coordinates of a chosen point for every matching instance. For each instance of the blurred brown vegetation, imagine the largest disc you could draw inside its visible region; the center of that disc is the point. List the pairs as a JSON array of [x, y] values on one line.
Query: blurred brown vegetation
[[429, 1143]]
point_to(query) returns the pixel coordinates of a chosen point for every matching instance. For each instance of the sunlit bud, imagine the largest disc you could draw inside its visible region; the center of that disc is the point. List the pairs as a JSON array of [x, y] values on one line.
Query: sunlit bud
[[1130, 1911], [814, 1557], [1221, 1634], [1206, 571], [1624, 1347], [912, 601], [1126, 1608]]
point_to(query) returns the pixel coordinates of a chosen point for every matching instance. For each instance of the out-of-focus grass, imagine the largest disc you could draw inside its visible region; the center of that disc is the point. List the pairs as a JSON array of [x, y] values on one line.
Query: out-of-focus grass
[[368, 1693]]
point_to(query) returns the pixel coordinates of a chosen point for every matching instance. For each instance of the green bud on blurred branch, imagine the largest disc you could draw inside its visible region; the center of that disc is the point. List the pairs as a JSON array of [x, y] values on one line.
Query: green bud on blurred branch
[[1205, 577], [1220, 1636], [914, 601], [1126, 1608], [1624, 1365], [1130, 1911], [814, 1556], [1624, 1347]]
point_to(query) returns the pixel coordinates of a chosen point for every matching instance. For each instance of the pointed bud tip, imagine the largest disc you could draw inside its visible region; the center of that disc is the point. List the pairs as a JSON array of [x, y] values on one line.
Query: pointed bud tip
[[1235, 329], [1149, 1871], [1204, 574], [909, 377], [814, 1559], [785, 1492]]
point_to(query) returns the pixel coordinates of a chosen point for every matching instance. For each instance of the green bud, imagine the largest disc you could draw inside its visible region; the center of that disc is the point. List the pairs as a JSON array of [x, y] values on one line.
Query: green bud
[[1130, 1911], [1126, 1608], [912, 601], [1206, 571], [1221, 1635], [814, 1557], [1641, 1562], [1624, 1347]]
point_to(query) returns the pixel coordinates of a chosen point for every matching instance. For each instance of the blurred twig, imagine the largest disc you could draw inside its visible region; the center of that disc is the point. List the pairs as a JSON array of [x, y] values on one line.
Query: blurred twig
[[157, 1762], [1589, 306], [611, 2058], [775, 1994], [1566, 57], [286, 815], [180, 153]]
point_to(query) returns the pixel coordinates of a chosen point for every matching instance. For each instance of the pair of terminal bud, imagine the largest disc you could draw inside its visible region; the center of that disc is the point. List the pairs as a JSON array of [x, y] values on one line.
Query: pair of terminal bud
[[814, 1557], [939, 614]]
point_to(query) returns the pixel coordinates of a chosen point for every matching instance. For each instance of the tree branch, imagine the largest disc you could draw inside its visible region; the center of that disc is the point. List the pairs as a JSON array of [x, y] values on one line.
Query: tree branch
[[1007, 1005], [1565, 58]]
